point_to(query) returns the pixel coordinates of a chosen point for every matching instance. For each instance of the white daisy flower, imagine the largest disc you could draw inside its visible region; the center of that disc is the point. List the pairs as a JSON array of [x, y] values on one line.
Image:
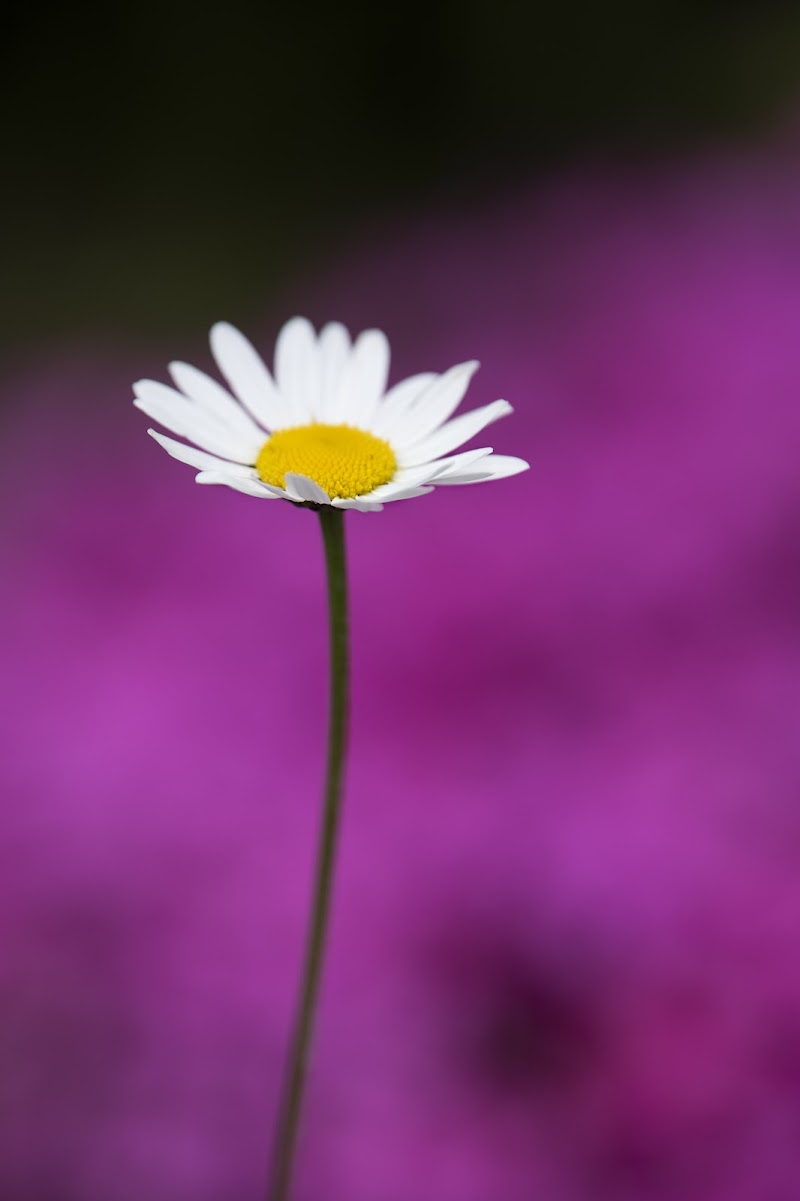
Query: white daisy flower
[[324, 430]]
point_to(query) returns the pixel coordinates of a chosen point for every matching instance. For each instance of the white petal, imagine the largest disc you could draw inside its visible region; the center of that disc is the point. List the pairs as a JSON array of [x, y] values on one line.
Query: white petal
[[247, 375], [453, 433], [356, 502], [199, 459], [490, 467], [410, 477], [363, 381], [300, 487], [297, 370], [500, 467], [249, 487], [433, 407], [213, 399], [181, 415], [405, 494], [468, 477], [468, 459], [395, 489], [334, 353], [397, 401]]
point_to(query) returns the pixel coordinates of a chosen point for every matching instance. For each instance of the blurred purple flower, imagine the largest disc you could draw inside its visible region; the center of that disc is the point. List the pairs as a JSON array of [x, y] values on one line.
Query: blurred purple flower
[[564, 959]]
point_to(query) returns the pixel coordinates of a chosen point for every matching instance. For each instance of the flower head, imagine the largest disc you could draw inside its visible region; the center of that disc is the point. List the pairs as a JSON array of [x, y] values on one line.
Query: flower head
[[325, 430]]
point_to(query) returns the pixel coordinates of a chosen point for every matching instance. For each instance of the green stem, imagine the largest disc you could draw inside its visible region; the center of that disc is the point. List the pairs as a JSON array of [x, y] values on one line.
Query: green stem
[[292, 1093]]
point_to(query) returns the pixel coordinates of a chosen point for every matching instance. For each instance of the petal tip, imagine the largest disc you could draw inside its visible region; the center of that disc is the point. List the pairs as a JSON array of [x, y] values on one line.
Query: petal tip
[[221, 327]]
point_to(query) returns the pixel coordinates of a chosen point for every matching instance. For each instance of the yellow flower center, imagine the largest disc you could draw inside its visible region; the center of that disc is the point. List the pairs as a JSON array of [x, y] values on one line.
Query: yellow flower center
[[346, 462]]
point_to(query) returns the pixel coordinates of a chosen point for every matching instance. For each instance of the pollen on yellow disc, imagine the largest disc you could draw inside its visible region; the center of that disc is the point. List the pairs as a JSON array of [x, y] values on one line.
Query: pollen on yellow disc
[[344, 461]]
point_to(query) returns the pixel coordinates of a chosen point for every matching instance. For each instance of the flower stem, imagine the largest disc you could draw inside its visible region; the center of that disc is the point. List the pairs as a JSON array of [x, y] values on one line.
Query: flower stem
[[332, 522]]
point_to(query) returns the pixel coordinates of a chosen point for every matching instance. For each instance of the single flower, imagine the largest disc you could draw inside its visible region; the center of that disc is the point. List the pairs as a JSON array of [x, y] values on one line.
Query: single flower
[[325, 430]]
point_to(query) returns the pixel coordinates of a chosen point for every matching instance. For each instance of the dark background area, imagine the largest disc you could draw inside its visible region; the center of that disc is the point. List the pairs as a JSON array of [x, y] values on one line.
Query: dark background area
[[165, 163]]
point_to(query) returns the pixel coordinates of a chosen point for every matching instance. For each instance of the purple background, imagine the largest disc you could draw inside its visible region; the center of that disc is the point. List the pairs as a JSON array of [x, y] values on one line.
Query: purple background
[[564, 960]]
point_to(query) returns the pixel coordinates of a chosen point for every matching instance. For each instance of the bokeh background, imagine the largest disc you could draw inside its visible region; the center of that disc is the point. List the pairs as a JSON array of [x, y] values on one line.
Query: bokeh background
[[564, 961]]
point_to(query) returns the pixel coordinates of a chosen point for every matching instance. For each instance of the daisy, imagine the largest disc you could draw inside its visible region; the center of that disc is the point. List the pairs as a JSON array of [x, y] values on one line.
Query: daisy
[[324, 430], [324, 433]]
